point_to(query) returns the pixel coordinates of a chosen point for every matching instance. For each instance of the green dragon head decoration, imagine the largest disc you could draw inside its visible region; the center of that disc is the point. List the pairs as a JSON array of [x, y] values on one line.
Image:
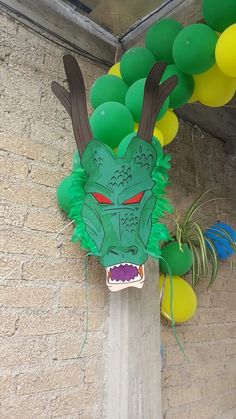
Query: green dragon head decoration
[[115, 200]]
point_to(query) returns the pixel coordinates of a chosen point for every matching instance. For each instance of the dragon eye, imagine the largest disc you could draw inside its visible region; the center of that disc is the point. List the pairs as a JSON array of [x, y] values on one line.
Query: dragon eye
[[134, 199], [101, 199]]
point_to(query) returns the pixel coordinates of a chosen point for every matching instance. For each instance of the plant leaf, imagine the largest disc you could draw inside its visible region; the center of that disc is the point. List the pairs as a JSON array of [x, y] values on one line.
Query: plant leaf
[[202, 247], [195, 208], [212, 254], [197, 269]]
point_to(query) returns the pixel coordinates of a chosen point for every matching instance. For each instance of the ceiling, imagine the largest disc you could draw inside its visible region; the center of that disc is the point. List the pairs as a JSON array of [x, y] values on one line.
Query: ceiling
[[115, 16]]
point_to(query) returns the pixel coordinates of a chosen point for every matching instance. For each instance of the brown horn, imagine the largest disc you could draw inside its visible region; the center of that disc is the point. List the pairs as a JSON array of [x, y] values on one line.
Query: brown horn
[[75, 102], [154, 96]]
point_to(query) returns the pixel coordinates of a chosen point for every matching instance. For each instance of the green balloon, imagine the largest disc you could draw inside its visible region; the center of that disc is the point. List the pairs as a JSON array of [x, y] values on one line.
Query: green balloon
[[111, 122], [219, 14], [184, 89], [180, 262], [108, 88], [76, 161], [135, 64], [125, 143], [134, 100], [65, 193], [160, 38], [194, 48]]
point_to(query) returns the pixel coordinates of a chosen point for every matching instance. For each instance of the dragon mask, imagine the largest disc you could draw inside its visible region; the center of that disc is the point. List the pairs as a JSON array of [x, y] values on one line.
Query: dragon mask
[[116, 199]]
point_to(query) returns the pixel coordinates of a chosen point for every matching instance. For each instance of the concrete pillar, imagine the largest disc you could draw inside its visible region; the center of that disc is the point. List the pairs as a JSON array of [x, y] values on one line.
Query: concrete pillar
[[133, 367]]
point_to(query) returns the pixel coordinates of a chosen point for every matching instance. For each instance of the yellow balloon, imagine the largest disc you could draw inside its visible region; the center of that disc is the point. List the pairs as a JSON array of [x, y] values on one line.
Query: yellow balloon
[[156, 133], [193, 98], [115, 70], [184, 300], [168, 125], [136, 125], [214, 88], [226, 51]]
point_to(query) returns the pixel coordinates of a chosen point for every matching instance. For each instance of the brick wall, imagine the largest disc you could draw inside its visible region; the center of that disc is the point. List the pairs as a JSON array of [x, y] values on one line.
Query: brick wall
[[42, 296], [205, 386]]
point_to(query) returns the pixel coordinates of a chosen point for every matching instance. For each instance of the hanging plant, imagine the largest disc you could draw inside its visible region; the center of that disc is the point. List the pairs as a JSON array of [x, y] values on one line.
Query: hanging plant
[[192, 249]]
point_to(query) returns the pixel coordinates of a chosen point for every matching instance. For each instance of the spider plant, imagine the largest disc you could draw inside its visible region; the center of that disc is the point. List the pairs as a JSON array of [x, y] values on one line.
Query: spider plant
[[189, 231]]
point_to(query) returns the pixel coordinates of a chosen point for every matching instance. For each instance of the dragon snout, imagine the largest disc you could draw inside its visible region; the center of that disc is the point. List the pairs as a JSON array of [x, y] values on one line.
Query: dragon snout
[[123, 252]]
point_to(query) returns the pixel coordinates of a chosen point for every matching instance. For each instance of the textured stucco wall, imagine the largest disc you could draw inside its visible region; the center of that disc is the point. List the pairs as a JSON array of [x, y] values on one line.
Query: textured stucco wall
[[42, 302]]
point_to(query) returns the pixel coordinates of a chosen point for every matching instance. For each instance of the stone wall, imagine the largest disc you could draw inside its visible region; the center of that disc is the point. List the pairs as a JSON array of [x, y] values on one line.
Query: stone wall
[[42, 293], [205, 386]]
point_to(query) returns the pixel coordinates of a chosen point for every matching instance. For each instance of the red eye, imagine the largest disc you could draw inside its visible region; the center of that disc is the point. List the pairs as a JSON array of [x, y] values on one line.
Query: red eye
[[101, 199], [135, 199]]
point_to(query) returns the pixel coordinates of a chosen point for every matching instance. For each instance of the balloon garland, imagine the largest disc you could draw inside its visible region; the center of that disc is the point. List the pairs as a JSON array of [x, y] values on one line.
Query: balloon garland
[[203, 58], [200, 55]]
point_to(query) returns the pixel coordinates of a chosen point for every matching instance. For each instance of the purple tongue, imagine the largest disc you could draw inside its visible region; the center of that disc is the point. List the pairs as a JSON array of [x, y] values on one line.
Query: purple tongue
[[124, 272]]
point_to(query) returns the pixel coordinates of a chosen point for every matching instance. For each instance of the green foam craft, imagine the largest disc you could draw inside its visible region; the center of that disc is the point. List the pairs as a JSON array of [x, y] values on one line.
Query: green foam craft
[[116, 200]]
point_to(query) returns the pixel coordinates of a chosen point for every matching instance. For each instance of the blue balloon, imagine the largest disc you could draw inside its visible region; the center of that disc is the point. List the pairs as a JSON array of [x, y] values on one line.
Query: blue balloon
[[222, 246], [218, 234], [227, 228]]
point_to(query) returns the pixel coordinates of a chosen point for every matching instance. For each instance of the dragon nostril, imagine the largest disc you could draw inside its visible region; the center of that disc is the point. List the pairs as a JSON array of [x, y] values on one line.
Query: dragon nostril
[[123, 252], [133, 250], [113, 251]]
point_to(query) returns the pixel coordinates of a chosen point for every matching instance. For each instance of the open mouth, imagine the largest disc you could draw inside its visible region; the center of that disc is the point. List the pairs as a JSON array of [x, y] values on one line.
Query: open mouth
[[124, 275]]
